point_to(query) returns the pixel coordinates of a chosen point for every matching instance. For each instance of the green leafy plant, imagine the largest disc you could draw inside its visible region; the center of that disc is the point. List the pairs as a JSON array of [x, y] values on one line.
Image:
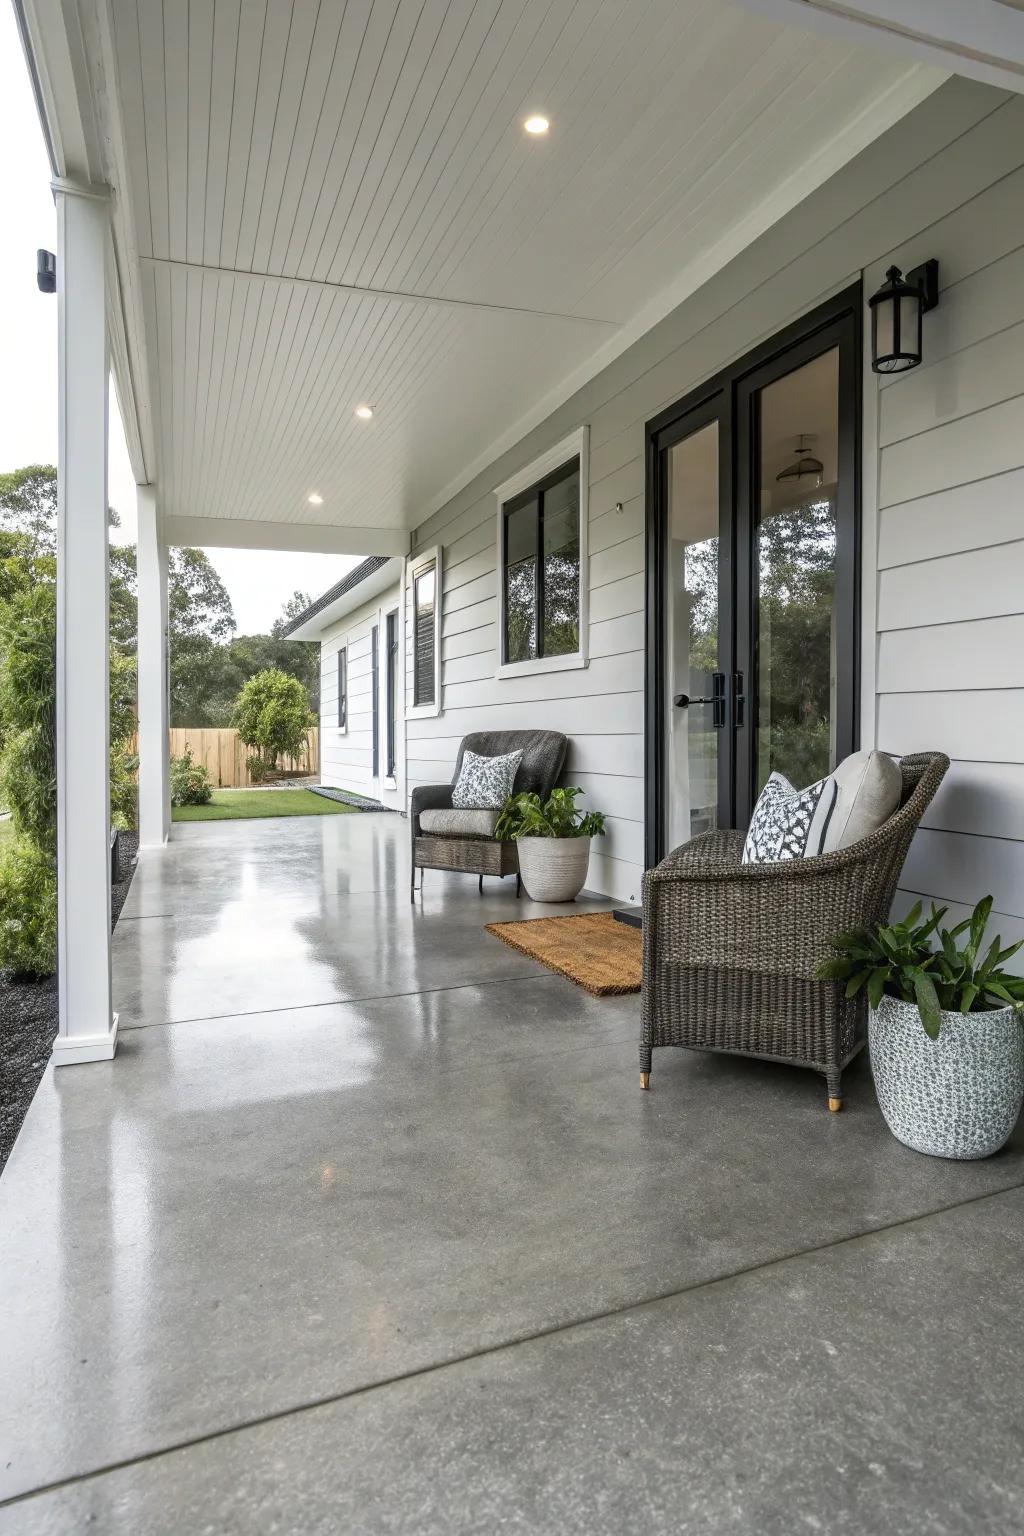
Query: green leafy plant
[[28, 909], [272, 715], [190, 781], [901, 960], [526, 815]]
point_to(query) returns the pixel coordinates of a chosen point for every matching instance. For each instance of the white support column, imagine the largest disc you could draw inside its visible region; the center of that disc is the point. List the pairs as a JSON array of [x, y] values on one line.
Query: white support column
[[154, 719], [88, 1026]]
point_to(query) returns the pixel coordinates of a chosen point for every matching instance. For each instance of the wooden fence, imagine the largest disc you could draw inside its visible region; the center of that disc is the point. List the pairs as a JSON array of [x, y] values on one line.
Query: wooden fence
[[225, 756]]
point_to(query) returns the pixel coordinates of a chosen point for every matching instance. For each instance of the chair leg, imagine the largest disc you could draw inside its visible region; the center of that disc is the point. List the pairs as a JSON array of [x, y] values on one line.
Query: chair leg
[[645, 1066], [834, 1083], [480, 885], [519, 886]]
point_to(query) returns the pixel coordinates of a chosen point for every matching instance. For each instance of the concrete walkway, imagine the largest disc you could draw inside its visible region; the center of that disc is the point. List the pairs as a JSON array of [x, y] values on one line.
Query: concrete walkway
[[369, 1228]]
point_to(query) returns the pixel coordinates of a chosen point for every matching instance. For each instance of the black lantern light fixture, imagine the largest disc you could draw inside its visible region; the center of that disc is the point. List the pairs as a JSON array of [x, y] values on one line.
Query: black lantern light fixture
[[896, 311]]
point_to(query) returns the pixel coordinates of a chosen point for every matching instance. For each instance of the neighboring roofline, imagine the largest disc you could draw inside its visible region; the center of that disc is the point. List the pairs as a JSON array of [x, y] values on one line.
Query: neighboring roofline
[[332, 605]]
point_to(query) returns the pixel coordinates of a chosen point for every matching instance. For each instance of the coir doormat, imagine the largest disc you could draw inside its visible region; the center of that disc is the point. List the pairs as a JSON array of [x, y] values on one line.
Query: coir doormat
[[601, 955]]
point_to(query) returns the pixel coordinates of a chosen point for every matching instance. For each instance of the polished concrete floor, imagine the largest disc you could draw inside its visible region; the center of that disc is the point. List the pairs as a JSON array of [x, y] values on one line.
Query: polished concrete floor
[[369, 1228]]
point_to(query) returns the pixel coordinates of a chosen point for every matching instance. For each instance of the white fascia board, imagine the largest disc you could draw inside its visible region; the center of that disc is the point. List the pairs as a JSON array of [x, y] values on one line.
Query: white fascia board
[[306, 538]]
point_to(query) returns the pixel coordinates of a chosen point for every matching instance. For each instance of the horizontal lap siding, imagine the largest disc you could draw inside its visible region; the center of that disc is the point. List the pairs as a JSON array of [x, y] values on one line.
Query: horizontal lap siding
[[346, 757], [925, 171], [950, 583]]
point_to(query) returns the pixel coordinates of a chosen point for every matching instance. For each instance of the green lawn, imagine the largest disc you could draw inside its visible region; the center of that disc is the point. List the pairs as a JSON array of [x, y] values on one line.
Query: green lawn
[[244, 804]]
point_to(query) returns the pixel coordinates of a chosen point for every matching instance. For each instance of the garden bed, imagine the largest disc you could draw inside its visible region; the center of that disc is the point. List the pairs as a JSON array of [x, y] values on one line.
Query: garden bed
[[28, 1022]]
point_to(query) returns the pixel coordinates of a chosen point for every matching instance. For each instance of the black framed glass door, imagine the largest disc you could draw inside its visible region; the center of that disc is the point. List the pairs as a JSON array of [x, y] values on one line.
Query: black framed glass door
[[752, 578]]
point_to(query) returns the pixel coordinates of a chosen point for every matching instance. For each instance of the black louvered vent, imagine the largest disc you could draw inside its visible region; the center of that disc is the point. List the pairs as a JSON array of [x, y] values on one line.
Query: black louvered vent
[[424, 588]]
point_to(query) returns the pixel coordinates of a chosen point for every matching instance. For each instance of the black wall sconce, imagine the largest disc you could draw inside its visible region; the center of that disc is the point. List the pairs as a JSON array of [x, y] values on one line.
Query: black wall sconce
[[46, 272], [896, 311]]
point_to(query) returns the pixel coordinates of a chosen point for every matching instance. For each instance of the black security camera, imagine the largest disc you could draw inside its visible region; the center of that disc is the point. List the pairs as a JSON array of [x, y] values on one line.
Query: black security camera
[[46, 271]]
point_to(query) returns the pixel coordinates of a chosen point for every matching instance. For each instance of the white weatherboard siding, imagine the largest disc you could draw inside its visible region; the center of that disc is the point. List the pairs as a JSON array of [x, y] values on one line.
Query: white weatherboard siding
[[950, 594], [346, 756], [948, 182]]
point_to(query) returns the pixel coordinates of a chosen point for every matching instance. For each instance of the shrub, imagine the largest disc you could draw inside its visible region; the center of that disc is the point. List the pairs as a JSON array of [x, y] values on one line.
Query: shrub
[[28, 909], [259, 771], [28, 711], [272, 715], [190, 781]]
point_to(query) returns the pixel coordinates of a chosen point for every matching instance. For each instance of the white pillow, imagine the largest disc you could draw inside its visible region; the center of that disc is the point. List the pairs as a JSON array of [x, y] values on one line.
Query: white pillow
[[485, 783], [869, 788], [788, 823]]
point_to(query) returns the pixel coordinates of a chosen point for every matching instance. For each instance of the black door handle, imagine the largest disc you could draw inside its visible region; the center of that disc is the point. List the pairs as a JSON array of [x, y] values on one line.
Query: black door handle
[[717, 700]]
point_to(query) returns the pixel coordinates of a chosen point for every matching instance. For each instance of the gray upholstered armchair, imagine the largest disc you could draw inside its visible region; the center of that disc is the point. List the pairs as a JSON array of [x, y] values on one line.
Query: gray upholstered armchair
[[445, 837]]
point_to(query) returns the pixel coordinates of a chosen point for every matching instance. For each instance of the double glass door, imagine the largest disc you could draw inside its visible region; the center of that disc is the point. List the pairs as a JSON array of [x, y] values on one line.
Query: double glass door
[[752, 581]]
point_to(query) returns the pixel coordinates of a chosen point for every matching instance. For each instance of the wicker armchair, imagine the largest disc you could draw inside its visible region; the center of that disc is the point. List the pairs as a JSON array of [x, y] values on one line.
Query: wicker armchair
[[731, 950], [543, 757]]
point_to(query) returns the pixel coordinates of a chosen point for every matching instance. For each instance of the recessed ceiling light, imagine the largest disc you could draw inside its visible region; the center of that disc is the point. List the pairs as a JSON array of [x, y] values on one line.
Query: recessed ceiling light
[[537, 124], [315, 500], [364, 412]]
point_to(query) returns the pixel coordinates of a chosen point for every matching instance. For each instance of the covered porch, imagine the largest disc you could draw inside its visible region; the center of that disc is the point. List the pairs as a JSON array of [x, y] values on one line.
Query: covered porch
[[368, 1227], [348, 1216]]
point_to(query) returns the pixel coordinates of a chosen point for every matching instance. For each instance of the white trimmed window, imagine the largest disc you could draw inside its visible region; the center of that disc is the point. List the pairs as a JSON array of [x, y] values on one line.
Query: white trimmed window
[[424, 607], [542, 562]]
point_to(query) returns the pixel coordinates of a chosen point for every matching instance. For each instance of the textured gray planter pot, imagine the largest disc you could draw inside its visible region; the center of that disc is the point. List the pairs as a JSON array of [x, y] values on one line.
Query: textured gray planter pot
[[553, 868], [957, 1096]]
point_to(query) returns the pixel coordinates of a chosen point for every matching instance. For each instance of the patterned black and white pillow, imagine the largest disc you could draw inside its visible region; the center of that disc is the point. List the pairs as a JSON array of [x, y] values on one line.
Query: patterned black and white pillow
[[485, 783], [789, 823]]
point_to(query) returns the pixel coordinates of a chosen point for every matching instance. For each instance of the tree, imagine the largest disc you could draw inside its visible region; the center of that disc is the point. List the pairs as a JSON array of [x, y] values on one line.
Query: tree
[[296, 605], [28, 505], [272, 715]]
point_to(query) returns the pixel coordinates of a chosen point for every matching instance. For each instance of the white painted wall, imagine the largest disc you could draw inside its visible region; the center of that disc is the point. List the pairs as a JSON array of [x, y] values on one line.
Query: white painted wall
[[346, 756], [950, 553], [964, 146]]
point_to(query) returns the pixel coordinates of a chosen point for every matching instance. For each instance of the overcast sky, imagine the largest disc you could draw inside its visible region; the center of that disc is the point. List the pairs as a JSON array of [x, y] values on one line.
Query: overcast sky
[[259, 581]]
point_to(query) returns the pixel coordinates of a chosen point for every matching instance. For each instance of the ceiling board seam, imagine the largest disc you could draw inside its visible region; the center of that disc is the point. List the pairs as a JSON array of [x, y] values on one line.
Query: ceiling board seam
[[441, 274], [420, 300], [494, 113], [316, 129], [282, 428], [252, 129], [480, 96], [268, 372], [354, 137], [447, 77], [384, 119], [273, 127], [328, 161], [348, 359]]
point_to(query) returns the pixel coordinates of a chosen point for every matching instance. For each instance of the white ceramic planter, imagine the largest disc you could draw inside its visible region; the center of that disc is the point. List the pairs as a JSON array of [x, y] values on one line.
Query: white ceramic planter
[[957, 1096], [553, 868]]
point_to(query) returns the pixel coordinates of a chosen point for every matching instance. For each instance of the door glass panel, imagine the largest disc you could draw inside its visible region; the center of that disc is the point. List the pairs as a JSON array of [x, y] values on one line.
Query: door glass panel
[[693, 741], [795, 573]]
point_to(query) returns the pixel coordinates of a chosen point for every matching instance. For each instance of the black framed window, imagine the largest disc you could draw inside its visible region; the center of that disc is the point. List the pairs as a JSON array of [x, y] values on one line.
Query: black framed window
[[375, 696], [541, 568], [424, 627], [342, 688], [391, 688]]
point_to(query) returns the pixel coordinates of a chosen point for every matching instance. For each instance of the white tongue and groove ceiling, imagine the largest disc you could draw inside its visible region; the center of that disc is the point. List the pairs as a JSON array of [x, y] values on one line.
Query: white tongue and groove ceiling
[[336, 203]]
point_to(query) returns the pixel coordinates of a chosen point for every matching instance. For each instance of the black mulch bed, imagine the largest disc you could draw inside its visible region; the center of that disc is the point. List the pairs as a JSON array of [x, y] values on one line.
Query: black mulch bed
[[28, 1021], [349, 797]]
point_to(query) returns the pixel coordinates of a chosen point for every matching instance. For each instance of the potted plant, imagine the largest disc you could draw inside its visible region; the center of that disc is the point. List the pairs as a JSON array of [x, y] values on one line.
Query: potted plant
[[553, 842], [945, 1029]]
